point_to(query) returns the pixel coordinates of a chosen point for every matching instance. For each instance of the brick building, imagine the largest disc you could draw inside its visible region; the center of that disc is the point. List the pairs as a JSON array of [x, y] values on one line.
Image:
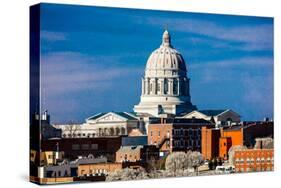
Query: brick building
[[216, 143], [251, 160], [175, 134], [98, 169], [141, 153], [210, 142]]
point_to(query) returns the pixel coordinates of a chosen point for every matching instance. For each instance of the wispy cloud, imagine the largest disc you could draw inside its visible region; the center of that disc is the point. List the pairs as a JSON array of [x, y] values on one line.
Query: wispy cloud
[[52, 36], [253, 37], [64, 72], [248, 62]]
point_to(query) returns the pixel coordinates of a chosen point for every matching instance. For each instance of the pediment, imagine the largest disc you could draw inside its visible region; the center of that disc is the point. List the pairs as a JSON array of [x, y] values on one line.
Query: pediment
[[195, 114], [109, 117]]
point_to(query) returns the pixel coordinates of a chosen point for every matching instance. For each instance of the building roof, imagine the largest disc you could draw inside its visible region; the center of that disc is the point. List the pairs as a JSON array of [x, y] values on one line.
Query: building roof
[[126, 115], [165, 57], [211, 112], [96, 116], [181, 120], [130, 148], [135, 132], [134, 140]]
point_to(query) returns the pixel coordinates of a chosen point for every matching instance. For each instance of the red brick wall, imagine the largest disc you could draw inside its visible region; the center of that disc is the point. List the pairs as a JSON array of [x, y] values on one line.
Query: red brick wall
[[210, 143], [254, 160], [158, 132]]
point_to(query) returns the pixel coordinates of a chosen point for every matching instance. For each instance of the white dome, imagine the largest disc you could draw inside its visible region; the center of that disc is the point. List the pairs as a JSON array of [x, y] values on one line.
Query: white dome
[[165, 58], [165, 85]]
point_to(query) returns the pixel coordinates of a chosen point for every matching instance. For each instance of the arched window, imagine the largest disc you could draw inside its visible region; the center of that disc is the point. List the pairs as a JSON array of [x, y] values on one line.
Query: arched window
[[165, 86], [158, 83], [175, 87], [111, 131], [123, 131], [117, 131]]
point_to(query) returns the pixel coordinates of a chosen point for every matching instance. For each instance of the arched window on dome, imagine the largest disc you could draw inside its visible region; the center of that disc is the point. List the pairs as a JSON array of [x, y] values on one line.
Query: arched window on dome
[[175, 87], [165, 86], [158, 86], [182, 87]]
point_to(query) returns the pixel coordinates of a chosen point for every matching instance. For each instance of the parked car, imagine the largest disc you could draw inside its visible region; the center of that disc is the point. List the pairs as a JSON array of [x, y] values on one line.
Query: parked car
[[225, 169]]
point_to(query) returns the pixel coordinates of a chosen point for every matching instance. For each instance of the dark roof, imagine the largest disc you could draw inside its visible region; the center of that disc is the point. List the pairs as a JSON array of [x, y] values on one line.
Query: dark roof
[[122, 114], [211, 112], [126, 115], [130, 148], [181, 120], [134, 140], [96, 116], [246, 126]]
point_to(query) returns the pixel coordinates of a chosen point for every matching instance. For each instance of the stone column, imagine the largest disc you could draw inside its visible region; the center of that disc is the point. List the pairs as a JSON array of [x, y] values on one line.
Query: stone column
[[162, 86], [146, 83], [170, 86], [178, 80], [154, 86], [142, 86]]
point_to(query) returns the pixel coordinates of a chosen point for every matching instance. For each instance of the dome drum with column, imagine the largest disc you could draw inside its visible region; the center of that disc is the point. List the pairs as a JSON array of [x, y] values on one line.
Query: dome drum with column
[[165, 86]]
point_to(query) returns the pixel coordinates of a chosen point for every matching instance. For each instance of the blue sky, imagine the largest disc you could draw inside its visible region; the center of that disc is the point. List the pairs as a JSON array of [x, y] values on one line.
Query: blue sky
[[93, 59]]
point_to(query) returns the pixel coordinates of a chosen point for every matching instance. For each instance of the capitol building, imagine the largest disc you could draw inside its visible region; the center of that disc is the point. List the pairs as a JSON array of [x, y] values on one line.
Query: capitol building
[[165, 93]]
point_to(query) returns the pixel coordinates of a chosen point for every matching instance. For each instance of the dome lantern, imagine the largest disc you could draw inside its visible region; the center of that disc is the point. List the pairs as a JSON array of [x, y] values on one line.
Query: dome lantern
[[166, 39]]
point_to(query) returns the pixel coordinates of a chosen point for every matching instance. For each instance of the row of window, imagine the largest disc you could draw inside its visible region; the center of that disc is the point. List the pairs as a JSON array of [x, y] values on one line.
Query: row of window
[[254, 169], [181, 132], [181, 85], [257, 160], [94, 171], [84, 146], [186, 143], [79, 135]]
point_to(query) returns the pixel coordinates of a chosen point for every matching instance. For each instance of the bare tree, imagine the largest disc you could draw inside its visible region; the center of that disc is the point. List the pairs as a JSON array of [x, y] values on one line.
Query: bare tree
[[196, 159], [177, 163], [127, 174], [232, 151], [72, 129]]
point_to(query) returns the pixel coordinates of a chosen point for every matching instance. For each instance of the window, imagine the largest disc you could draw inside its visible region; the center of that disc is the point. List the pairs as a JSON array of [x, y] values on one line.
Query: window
[[165, 86], [75, 147], [85, 146], [49, 156], [151, 133], [94, 146], [158, 133], [175, 87], [158, 87]]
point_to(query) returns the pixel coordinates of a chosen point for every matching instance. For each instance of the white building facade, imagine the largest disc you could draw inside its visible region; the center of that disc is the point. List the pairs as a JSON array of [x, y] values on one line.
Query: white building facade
[[102, 124], [220, 117]]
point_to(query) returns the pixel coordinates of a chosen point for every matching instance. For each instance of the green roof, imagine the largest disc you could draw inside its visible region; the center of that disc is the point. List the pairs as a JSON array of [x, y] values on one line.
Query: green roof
[[211, 112], [126, 115], [96, 116]]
